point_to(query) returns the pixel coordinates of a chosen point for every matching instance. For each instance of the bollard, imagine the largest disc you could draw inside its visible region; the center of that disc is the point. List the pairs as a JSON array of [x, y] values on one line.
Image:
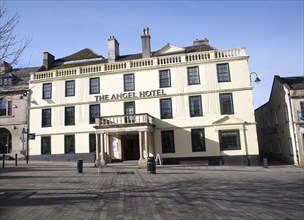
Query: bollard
[[151, 165], [265, 164], [3, 159], [16, 159], [79, 166]]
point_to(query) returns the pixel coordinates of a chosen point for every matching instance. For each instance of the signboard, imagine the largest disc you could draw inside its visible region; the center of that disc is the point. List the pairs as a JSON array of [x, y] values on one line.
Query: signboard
[[31, 136]]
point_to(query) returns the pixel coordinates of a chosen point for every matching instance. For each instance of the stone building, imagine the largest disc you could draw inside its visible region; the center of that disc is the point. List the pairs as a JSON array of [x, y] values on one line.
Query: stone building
[[281, 121], [13, 109], [181, 104]]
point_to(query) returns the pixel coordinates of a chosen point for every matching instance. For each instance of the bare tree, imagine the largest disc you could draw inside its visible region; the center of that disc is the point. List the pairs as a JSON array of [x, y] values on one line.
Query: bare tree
[[11, 47]]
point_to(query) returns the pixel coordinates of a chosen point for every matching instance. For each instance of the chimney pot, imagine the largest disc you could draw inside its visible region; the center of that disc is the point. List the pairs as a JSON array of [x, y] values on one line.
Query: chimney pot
[[204, 41], [146, 44]]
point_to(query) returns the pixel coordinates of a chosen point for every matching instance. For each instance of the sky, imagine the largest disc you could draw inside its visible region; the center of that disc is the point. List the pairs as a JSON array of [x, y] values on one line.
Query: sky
[[271, 31]]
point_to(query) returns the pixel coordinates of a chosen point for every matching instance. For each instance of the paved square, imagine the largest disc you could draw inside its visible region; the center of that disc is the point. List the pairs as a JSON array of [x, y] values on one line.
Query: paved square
[[48, 190]]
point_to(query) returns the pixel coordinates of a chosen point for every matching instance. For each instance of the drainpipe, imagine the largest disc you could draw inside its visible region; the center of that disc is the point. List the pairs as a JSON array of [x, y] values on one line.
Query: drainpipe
[[294, 129]]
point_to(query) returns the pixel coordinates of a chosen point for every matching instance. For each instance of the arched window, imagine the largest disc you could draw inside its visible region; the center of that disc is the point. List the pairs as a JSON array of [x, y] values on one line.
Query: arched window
[[2, 107]]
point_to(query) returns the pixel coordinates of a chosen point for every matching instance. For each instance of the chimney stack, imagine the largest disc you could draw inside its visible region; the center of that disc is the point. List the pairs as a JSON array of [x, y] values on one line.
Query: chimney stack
[[5, 67], [113, 49], [146, 45], [201, 42], [47, 59]]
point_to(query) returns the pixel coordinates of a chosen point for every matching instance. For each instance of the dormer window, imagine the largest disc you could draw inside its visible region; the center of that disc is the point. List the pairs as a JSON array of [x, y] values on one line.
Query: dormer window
[[6, 80]]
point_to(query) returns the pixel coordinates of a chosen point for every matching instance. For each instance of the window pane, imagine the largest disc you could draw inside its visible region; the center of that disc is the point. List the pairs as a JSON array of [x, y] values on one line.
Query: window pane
[[94, 113], [129, 108], [128, 82], [47, 91], [164, 78], [195, 106], [70, 88], [69, 144], [165, 108], [198, 140], [46, 117], [223, 72], [167, 138], [9, 108], [46, 145], [226, 103], [94, 85], [3, 107], [230, 140], [193, 76], [69, 115]]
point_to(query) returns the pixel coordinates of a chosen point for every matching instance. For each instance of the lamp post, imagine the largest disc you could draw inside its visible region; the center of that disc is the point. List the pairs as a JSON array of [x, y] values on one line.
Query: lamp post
[[257, 79], [27, 143]]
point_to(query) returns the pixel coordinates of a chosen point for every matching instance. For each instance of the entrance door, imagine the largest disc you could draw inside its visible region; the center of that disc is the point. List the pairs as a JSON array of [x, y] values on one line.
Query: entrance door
[[130, 146], [5, 141]]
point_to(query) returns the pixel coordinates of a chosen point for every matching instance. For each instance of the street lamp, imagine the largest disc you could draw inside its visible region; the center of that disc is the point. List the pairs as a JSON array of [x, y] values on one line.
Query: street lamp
[[257, 79], [25, 131]]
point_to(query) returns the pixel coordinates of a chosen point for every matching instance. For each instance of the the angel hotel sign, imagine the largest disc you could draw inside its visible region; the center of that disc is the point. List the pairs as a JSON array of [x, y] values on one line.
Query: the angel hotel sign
[[130, 95]]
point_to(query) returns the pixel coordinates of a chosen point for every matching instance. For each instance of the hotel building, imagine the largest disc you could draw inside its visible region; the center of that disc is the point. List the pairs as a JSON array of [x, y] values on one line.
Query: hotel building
[[182, 104]]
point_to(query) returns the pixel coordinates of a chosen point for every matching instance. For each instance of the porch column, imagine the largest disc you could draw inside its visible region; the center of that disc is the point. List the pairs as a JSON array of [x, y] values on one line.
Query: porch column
[[97, 146], [146, 143], [140, 146], [109, 160], [102, 150]]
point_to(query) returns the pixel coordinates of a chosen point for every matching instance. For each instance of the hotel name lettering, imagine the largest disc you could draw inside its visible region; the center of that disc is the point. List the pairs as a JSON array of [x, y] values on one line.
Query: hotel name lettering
[[130, 95]]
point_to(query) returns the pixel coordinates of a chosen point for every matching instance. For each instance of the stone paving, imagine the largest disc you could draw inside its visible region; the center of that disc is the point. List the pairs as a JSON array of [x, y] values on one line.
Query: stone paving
[[48, 190]]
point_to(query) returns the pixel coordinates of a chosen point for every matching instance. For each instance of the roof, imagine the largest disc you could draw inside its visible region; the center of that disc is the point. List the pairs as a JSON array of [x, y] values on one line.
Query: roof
[[85, 57], [88, 57], [20, 76], [295, 82]]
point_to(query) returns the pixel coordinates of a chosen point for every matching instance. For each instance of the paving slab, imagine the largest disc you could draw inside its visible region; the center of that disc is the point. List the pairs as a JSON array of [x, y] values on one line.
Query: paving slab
[[55, 190]]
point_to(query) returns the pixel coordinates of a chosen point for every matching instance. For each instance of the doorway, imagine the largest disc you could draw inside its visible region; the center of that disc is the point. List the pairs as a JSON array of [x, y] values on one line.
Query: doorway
[[5, 141], [130, 147]]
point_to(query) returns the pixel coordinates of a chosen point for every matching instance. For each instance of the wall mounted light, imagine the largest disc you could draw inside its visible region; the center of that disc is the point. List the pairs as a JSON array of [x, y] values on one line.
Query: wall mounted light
[[257, 79]]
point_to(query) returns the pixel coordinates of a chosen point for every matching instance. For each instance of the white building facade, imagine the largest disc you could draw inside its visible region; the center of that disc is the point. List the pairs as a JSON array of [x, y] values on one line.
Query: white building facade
[[183, 104]]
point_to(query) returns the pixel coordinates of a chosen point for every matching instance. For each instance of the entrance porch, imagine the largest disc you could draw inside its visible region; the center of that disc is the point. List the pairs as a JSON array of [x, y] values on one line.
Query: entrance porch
[[124, 137]]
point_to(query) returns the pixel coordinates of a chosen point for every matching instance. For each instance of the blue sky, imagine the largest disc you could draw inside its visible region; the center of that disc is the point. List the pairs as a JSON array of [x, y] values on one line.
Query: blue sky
[[272, 31]]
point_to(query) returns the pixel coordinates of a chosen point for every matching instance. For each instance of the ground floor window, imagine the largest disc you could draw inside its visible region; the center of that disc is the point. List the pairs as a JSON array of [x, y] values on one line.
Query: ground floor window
[[46, 145], [198, 140], [229, 140], [69, 144], [167, 139], [92, 143]]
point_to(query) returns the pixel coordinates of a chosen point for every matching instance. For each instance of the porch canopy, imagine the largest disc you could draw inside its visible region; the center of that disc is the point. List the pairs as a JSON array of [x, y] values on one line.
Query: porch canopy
[[142, 124]]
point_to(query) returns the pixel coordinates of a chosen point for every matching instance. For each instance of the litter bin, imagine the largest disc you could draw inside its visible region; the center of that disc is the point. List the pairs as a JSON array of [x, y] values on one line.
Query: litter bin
[[79, 166], [151, 165], [265, 163]]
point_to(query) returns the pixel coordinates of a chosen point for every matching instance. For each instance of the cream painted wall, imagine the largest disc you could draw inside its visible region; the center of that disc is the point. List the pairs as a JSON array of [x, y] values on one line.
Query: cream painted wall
[[147, 79]]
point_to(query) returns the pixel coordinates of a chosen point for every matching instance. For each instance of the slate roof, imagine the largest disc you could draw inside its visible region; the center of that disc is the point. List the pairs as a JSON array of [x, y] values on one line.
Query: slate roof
[[20, 76], [295, 82], [88, 57]]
